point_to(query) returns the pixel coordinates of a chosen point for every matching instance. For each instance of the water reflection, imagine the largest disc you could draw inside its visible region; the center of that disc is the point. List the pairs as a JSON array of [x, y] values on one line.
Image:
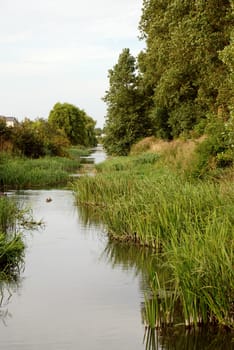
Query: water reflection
[[194, 339], [89, 215], [10, 283]]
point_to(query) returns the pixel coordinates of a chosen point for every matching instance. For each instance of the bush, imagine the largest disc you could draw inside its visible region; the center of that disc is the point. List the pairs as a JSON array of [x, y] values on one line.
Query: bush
[[217, 150]]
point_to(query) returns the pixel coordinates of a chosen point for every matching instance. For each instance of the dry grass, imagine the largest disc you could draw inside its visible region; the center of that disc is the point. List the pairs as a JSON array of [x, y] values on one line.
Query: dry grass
[[176, 154]]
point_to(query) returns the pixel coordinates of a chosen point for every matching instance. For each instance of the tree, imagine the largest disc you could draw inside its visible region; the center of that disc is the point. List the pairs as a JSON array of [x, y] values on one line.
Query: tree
[[91, 139], [5, 136], [180, 67], [27, 141], [54, 139], [125, 121], [72, 120]]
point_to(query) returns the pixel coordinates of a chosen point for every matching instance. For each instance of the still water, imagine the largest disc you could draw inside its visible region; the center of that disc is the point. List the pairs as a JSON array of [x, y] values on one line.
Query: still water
[[77, 290]]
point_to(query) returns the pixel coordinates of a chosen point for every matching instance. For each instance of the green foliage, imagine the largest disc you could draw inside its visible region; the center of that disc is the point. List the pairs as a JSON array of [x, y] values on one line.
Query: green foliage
[[76, 152], [188, 221], [78, 127], [55, 141], [8, 214], [13, 220], [27, 141], [91, 139], [184, 74], [33, 139], [11, 241], [217, 151], [11, 253], [128, 163], [126, 121], [181, 68], [26, 173]]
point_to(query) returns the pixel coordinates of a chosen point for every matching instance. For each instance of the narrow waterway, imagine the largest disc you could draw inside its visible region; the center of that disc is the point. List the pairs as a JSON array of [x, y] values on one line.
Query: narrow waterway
[[77, 290], [70, 294]]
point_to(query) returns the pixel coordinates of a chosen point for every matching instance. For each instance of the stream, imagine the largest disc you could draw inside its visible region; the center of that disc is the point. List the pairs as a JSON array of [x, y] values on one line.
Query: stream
[[77, 290]]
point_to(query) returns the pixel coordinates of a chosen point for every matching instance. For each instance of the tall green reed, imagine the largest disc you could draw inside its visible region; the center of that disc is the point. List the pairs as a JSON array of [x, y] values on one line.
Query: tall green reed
[[191, 222], [24, 173], [13, 219]]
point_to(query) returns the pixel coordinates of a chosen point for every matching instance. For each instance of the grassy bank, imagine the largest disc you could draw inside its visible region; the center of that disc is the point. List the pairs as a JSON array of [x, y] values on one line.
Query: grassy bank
[[18, 173], [14, 222], [146, 200], [11, 242]]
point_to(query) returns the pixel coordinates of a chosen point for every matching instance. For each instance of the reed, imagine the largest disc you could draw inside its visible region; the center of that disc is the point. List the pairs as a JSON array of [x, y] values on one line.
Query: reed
[[8, 213], [202, 268], [190, 221], [76, 152], [11, 242], [11, 253], [26, 173], [13, 220], [155, 206]]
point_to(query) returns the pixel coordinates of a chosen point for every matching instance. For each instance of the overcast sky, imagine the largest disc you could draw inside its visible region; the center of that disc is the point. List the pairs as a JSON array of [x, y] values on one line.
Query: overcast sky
[[60, 51]]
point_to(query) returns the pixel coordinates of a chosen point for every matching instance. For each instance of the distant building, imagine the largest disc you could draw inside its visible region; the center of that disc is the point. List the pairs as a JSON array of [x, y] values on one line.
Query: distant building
[[10, 121]]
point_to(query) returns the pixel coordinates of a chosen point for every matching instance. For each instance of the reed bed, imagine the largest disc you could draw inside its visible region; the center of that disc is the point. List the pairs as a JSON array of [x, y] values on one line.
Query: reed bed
[[11, 242], [152, 208], [77, 152], [26, 173], [190, 222]]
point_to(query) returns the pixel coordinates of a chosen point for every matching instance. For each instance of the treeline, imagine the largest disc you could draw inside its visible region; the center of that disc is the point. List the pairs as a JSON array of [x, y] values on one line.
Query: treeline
[[181, 84], [66, 125]]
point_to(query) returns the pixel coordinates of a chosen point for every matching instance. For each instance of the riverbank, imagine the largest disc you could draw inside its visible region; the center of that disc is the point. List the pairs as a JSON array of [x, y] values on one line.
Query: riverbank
[[13, 221], [21, 172], [188, 220]]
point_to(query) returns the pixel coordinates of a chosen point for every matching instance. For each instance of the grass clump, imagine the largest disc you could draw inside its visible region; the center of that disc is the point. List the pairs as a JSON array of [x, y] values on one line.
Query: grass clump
[[13, 221], [11, 241]]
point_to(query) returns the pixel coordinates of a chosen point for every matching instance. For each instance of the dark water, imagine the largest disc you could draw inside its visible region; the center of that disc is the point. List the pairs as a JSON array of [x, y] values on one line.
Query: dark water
[[79, 291]]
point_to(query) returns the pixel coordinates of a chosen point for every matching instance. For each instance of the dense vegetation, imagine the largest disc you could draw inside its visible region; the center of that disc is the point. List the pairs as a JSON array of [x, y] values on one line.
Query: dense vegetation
[[181, 85], [66, 126], [12, 220], [19, 172], [146, 199], [76, 124], [176, 197], [45, 152]]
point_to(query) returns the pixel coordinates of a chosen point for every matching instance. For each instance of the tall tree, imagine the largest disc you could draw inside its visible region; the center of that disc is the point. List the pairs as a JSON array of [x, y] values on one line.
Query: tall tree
[[181, 66], [125, 122], [91, 139]]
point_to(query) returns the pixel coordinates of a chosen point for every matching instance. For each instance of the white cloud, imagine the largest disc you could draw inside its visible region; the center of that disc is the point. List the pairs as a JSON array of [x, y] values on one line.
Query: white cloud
[[74, 42]]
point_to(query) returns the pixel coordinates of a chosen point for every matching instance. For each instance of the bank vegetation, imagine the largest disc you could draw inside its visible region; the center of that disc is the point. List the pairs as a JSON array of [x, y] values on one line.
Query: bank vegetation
[[161, 197]]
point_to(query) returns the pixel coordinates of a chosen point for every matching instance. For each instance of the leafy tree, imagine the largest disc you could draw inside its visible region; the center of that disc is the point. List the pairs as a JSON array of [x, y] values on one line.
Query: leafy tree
[[125, 122], [98, 132], [91, 139], [54, 139], [227, 56], [27, 141], [72, 120], [180, 67]]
